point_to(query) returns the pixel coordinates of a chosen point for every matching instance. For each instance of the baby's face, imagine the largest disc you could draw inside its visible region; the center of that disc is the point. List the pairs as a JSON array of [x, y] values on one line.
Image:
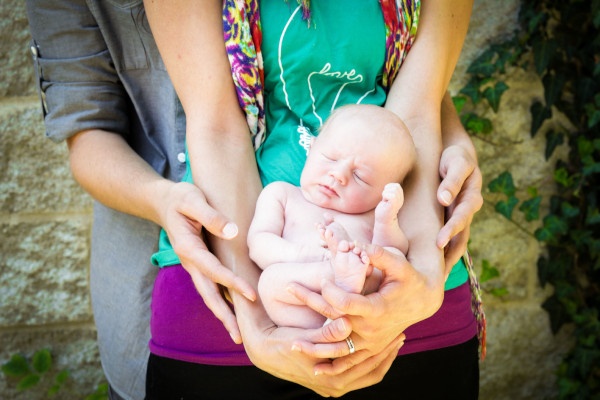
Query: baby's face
[[348, 167]]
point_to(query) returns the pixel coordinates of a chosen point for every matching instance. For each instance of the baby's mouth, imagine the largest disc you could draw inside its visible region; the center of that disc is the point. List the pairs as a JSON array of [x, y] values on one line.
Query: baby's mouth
[[328, 190]]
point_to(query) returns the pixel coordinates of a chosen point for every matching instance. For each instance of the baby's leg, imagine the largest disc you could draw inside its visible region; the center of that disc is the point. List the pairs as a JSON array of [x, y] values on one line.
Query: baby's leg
[[283, 307], [386, 231], [350, 264]]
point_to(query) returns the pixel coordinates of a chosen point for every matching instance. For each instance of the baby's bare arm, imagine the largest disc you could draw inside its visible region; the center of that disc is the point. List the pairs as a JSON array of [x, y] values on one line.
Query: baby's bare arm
[[265, 241]]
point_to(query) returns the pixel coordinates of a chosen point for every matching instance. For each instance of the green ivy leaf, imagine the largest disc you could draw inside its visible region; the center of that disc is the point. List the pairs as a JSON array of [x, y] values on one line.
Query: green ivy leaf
[[553, 88], [536, 18], [506, 207], [483, 65], [459, 102], [539, 114], [531, 208], [499, 292], [42, 361], [503, 183], [585, 359], [488, 272], [62, 377], [593, 114], [493, 94], [16, 367], [532, 191], [568, 210], [28, 382], [476, 124], [553, 226], [585, 147], [558, 316], [591, 167], [54, 389], [471, 90], [596, 13], [543, 53], [593, 216], [543, 270], [553, 140], [561, 176]]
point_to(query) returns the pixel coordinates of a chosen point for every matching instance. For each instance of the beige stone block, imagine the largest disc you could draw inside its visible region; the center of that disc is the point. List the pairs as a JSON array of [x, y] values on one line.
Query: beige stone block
[[17, 73], [34, 172], [44, 272], [72, 348], [523, 355]]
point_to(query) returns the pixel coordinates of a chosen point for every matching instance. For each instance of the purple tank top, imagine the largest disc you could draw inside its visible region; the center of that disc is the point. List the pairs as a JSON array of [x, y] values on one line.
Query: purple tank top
[[184, 329]]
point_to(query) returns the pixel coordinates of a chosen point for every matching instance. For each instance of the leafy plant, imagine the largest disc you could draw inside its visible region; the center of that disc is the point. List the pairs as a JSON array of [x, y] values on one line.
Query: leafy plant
[[491, 273], [485, 87], [31, 373], [563, 39]]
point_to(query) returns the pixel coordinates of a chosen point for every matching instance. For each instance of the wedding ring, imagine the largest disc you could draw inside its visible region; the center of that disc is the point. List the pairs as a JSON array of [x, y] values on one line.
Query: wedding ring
[[350, 345]]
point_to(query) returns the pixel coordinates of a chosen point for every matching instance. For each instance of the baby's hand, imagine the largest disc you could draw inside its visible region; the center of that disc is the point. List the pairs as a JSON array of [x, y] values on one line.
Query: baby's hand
[[322, 228]]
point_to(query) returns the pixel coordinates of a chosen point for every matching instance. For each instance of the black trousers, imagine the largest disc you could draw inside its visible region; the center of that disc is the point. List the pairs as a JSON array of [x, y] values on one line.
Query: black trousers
[[448, 373]]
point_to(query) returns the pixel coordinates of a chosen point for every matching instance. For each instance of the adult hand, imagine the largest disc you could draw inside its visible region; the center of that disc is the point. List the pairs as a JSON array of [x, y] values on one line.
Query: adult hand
[[186, 214], [405, 297], [460, 193], [281, 352]]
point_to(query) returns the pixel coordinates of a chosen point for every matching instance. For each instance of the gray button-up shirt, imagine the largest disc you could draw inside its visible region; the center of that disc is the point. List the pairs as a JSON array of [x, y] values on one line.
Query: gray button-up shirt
[[98, 68]]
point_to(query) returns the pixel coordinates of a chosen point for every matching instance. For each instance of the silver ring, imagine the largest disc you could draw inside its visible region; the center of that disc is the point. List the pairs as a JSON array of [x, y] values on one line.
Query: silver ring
[[350, 344]]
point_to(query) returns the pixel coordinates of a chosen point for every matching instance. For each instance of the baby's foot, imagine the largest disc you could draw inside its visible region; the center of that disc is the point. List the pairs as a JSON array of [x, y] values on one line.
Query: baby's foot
[[392, 199], [349, 262]]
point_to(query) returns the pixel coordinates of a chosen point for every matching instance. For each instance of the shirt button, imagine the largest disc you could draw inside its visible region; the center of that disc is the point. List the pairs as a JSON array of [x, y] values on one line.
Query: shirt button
[[181, 157]]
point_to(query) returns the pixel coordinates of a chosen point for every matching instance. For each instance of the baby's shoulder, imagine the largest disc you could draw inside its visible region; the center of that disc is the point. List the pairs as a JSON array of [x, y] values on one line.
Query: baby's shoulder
[[280, 189]]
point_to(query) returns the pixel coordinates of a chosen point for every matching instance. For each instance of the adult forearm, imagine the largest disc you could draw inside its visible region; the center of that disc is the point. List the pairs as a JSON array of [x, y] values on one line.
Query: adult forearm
[[112, 173], [416, 96]]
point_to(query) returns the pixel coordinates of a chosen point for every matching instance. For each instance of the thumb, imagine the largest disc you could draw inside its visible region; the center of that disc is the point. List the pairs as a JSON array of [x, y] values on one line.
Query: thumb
[[383, 259], [214, 221]]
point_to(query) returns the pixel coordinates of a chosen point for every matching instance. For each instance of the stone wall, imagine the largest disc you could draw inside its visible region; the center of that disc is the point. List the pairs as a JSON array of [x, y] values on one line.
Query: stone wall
[[45, 221]]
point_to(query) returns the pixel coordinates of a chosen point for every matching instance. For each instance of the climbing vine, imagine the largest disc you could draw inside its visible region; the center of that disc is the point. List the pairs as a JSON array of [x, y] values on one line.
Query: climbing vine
[[562, 40]]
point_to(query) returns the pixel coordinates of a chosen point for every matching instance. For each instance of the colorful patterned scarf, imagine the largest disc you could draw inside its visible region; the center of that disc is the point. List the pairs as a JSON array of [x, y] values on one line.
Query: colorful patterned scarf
[[243, 38]]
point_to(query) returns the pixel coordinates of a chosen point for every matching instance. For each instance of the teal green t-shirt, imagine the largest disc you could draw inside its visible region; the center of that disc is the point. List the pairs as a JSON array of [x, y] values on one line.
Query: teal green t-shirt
[[309, 71]]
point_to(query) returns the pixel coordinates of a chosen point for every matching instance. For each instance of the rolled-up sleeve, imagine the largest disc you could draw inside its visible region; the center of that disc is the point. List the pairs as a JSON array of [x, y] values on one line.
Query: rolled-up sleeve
[[78, 84]]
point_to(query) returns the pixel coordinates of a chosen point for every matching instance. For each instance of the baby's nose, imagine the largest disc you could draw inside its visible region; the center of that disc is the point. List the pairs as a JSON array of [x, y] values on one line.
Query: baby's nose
[[339, 176]]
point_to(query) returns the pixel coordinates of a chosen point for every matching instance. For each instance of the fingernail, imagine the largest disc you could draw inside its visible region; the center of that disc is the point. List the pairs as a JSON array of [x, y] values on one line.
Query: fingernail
[[446, 197], [295, 347], [230, 230], [317, 373], [343, 323], [249, 296]]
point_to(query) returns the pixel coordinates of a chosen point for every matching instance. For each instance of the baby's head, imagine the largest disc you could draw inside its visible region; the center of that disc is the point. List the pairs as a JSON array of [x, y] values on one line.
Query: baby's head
[[359, 150]]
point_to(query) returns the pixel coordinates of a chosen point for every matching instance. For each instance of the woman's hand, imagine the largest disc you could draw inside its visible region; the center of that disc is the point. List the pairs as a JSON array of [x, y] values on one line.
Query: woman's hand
[[404, 297], [281, 352], [460, 193], [186, 213]]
